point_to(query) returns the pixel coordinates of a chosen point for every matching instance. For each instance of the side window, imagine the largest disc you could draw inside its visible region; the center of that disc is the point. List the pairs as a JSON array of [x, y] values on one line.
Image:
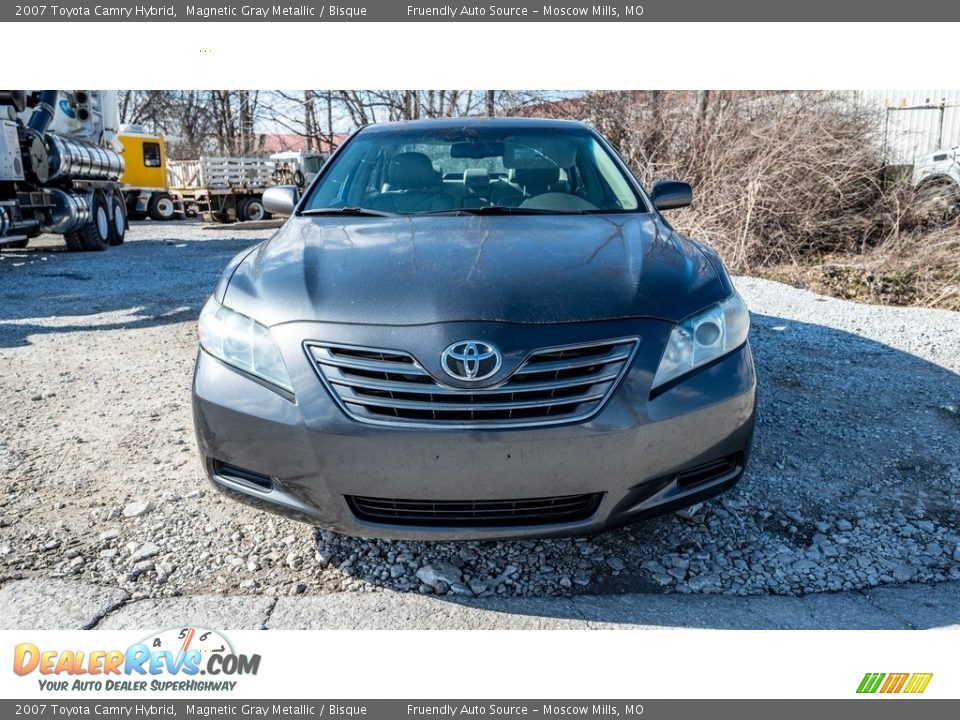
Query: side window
[[151, 154]]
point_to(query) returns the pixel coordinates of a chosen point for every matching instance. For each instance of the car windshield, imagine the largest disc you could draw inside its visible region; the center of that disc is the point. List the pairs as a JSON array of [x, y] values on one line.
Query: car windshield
[[474, 169]]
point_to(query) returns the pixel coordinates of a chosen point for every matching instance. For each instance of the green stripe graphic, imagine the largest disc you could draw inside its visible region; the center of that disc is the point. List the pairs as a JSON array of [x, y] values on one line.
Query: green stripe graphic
[[871, 682]]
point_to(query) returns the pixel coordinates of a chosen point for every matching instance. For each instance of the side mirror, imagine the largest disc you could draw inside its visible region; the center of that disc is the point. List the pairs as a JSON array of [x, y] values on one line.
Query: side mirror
[[670, 194], [280, 199]]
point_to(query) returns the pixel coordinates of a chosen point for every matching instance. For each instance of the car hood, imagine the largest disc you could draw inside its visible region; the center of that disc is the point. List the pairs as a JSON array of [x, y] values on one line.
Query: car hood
[[430, 269]]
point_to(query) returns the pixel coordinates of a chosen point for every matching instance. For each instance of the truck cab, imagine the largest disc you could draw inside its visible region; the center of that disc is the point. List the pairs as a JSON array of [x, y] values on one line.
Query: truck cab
[[936, 178], [298, 167], [145, 186]]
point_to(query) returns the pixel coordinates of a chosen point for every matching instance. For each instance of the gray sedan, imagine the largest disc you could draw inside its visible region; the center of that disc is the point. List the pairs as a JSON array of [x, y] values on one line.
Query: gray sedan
[[475, 328]]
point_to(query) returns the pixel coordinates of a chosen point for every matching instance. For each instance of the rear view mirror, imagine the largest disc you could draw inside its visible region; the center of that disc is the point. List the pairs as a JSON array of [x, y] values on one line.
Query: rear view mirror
[[280, 199], [476, 150], [671, 194]]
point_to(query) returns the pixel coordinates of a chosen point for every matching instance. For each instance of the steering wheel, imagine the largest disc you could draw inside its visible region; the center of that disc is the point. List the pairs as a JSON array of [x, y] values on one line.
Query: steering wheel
[[557, 201]]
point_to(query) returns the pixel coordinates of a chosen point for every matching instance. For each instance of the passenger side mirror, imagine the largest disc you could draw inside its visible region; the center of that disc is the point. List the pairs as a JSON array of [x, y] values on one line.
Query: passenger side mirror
[[280, 199], [670, 194]]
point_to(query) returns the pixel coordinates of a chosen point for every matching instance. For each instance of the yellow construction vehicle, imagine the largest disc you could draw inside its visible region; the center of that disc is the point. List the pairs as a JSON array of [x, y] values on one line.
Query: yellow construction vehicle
[[144, 181]]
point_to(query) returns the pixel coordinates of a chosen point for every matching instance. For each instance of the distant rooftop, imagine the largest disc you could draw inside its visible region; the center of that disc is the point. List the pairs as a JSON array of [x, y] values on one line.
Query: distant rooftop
[[269, 143]]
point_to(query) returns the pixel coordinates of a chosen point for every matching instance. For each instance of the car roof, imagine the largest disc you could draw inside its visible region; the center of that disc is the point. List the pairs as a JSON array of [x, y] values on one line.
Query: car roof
[[505, 123]]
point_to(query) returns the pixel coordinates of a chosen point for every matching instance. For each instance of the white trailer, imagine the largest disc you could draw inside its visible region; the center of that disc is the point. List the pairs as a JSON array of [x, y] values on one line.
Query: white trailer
[[221, 189]]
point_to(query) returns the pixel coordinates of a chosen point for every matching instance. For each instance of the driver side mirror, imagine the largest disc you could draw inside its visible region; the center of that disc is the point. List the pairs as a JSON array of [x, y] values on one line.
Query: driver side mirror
[[671, 194], [281, 199]]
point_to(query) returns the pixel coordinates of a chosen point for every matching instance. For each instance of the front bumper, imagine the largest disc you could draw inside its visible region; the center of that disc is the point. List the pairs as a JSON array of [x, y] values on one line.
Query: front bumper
[[314, 458]]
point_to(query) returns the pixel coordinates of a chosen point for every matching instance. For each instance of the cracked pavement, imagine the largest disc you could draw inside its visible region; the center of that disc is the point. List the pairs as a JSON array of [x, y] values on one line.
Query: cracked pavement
[[39, 605]]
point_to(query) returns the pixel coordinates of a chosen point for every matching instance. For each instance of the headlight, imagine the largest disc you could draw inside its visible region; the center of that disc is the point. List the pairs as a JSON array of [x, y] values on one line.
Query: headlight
[[704, 337], [243, 343]]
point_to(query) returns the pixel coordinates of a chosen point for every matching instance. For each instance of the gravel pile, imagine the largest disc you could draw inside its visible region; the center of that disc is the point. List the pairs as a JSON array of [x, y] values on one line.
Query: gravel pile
[[723, 548], [853, 483]]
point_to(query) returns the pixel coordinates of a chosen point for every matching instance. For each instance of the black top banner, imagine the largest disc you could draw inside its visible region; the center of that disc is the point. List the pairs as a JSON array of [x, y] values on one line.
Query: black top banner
[[499, 11]]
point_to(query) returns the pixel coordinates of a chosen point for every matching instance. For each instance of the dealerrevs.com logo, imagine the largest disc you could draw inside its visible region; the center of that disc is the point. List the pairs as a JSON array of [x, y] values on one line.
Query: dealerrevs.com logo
[[891, 683], [179, 659]]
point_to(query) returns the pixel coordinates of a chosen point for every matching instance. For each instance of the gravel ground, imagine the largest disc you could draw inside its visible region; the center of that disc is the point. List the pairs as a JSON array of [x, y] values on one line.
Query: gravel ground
[[853, 482]]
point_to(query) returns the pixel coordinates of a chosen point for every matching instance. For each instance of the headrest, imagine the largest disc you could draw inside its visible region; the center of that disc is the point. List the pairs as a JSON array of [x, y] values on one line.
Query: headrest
[[535, 177], [476, 179], [411, 171], [538, 152]]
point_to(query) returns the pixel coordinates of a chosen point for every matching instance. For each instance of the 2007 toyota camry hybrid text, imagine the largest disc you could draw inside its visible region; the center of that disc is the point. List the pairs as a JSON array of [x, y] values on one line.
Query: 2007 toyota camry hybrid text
[[474, 328]]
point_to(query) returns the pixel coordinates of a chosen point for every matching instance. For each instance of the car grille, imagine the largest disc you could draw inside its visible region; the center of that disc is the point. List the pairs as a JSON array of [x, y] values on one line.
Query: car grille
[[554, 385], [475, 513]]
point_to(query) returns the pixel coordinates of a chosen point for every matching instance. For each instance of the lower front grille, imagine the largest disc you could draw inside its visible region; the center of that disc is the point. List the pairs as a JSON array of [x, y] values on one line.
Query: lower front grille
[[475, 513]]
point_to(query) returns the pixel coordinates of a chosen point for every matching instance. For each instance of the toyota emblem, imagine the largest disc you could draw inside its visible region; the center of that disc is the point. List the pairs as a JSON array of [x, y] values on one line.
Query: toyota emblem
[[471, 360]]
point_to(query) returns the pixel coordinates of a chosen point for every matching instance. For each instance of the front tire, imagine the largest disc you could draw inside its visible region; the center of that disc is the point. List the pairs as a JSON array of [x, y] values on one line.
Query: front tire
[[73, 241], [95, 235], [161, 207]]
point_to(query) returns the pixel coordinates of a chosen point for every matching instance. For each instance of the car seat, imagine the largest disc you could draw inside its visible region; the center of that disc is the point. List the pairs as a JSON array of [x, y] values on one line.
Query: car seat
[[476, 187], [412, 186]]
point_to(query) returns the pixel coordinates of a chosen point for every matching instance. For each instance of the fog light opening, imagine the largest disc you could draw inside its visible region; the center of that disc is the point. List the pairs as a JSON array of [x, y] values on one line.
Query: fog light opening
[[242, 475], [709, 471]]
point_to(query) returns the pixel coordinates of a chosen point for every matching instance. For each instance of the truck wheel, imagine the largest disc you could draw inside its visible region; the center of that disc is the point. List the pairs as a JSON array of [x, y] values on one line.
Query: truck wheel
[[161, 207], [938, 203], [74, 243], [95, 235], [118, 220], [251, 209]]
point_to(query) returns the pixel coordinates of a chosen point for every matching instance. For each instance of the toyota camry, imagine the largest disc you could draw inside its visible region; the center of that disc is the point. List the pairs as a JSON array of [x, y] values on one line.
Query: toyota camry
[[475, 328]]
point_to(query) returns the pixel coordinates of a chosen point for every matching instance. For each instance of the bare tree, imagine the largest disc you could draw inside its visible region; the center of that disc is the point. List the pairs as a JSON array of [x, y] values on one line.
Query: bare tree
[[236, 121]]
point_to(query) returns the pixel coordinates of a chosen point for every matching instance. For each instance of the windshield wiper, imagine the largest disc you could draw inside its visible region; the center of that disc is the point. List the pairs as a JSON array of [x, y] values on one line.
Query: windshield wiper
[[502, 210], [354, 211]]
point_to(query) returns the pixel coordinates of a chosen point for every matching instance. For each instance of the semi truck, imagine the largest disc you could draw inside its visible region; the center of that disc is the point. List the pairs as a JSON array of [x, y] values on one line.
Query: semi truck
[[60, 166]]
